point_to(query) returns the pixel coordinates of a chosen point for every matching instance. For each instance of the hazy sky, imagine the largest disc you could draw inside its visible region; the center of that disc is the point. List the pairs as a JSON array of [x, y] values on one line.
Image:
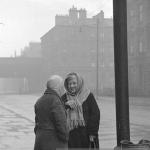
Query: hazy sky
[[22, 21]]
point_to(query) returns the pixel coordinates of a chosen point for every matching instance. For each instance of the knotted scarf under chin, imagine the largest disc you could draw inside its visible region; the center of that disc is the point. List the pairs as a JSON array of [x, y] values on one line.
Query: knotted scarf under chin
[[75, 116]]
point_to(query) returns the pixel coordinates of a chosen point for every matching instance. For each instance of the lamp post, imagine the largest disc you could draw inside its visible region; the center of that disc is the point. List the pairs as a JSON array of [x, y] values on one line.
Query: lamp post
[[97, 57], [99, 47], [121, 70]]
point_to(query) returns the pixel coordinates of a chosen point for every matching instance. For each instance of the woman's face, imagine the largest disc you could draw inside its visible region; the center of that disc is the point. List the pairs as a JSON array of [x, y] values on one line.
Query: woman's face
[[72, 84]]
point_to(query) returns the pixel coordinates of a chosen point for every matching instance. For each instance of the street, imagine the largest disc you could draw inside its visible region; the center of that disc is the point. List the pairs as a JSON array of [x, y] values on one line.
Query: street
[[17, 121]]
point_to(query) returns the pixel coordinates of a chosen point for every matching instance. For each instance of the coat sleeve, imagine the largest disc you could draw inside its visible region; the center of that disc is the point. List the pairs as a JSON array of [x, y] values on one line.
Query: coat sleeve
[[35, 128], [59, 120], [64, 100], [94, 116]]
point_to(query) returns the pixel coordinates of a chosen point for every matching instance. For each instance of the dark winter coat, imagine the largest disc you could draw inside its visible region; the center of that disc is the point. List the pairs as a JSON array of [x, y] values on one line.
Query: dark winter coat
[[50, 122], [79, 137]]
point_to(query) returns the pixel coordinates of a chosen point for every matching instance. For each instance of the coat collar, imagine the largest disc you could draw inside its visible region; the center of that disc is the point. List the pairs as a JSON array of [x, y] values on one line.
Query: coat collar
[[50, 91]]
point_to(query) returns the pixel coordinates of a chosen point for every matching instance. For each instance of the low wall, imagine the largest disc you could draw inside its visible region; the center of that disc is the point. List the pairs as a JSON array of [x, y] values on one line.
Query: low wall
[[13, 85]]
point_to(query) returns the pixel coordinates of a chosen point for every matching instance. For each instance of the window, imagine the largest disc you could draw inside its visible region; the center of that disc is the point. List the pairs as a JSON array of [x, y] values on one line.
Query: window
[[131, 49], [131, 13], [141, 47], [141, 13]]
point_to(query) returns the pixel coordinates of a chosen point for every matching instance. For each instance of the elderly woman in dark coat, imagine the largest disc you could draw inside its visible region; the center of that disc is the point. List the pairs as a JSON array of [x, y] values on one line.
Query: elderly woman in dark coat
[[83, 114], [50, 118]]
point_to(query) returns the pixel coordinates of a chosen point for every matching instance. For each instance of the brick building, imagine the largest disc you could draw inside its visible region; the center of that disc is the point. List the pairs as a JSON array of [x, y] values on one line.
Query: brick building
[[32, 50], [73, 43], [139, 46]]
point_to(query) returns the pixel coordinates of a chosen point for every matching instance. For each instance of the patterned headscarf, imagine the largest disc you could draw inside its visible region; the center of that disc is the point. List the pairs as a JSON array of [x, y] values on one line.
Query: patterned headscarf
[[75, 116]]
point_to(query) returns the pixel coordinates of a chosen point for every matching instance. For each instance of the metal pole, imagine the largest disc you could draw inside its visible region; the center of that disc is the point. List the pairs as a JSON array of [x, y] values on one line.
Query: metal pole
[[121, 70], [97, 58]]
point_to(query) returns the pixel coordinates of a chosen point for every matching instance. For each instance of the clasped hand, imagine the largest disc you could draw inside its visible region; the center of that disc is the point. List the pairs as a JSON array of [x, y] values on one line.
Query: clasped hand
[[71, 103], [92, 137]]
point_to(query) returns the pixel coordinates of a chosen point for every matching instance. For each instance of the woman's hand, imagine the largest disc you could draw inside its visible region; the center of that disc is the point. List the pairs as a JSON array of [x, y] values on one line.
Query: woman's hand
[[71, 103], [92, 137]]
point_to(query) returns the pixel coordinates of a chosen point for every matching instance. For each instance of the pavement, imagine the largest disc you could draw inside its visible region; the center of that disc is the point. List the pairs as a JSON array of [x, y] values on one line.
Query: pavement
[[17, 121]]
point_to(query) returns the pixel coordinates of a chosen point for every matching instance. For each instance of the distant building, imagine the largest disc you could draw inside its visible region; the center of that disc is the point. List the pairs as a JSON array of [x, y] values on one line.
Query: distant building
[[139, 47], [22, 74], [71, 45], [32, 50]]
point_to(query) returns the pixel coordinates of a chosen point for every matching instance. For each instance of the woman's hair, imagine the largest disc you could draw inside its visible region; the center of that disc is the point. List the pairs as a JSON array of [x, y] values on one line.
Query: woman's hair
[[80, 81]]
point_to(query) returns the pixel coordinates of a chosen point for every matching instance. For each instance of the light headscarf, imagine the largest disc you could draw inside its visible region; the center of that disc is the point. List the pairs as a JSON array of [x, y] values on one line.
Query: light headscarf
[[75, 116]]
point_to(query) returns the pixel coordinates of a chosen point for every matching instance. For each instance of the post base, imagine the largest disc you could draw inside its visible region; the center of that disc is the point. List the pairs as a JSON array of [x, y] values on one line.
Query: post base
[[117, 148]]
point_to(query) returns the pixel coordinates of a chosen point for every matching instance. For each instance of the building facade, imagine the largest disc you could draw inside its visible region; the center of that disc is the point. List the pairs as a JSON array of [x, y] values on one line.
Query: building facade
[[139, 46], [73, 45], [32, 50], [85, 45]]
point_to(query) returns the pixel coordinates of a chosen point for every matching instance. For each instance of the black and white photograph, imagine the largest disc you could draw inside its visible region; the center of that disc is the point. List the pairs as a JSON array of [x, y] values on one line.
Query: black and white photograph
[[74, 74]]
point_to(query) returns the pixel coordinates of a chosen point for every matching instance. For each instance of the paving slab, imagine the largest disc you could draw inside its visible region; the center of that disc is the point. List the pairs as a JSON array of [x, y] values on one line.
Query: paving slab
[[17, 121]]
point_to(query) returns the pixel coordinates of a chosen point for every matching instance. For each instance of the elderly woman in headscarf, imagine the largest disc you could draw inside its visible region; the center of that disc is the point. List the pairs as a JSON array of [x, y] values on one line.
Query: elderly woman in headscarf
[[83, 114], [50, 117]]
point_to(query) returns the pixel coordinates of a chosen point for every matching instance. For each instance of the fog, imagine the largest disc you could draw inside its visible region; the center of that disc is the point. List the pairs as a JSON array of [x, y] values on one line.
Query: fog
[[75, 41]]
